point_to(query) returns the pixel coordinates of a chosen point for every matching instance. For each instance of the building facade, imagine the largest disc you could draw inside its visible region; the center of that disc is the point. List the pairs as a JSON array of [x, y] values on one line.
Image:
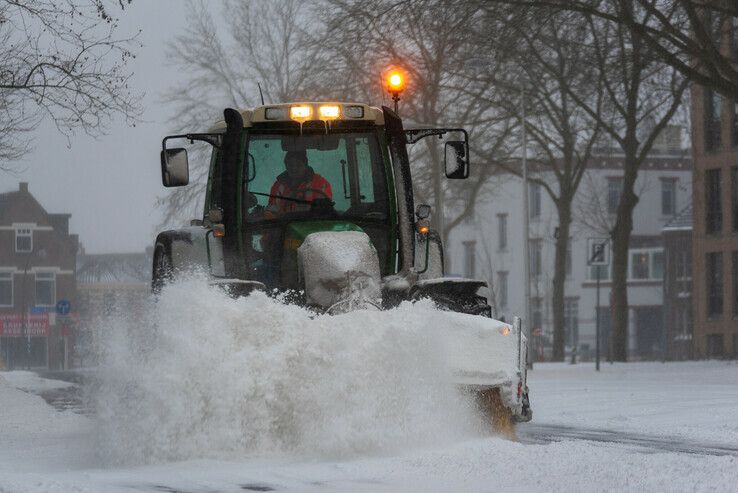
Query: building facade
[[110, 285], [678, 320], [37, 271], [715, 250], [491, 247]]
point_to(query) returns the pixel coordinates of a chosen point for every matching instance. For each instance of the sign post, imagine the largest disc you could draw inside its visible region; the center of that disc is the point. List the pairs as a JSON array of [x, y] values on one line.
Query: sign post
[[599, 256]]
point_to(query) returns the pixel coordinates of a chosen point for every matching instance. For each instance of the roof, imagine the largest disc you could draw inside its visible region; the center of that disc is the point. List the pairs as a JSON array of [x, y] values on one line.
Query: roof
[[681, 222], [113, 268], [259, 113]]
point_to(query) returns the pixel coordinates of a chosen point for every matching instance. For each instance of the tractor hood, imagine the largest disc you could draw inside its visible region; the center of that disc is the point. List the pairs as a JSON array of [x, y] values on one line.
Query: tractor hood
[[339, 268]]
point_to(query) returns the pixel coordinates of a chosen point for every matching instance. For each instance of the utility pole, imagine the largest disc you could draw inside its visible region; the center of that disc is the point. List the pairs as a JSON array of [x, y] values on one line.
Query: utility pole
[[526, 232]]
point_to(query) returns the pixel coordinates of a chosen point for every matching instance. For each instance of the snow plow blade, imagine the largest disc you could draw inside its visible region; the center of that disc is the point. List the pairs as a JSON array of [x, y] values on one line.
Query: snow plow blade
[[487, 357]]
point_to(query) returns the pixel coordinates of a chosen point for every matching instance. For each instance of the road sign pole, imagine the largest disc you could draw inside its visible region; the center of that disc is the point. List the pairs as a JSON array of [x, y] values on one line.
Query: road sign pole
[[597, 323]]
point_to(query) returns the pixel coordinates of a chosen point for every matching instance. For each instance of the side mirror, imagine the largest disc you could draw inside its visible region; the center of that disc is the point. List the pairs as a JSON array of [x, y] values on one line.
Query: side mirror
[[174, 167], [456, 160]]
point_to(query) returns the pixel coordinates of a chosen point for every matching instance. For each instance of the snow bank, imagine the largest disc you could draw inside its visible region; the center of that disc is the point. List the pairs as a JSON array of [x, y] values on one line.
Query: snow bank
[[207, 376], [692, 399], [31, 382], [31, 431]]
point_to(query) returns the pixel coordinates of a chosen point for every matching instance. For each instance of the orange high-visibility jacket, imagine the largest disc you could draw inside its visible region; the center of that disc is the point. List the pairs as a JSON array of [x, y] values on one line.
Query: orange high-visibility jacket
[[313, 187]]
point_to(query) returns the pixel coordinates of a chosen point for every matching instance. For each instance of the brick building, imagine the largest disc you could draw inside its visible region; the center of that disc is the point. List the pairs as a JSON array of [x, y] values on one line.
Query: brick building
[[715, 198], [37, 270]]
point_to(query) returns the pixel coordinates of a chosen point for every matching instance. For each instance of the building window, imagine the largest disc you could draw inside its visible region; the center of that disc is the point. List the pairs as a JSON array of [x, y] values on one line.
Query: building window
[[714, 278], [657, 265], [668, 196], [502, 289], [536, 261], [6, 289], [713, 108], [45, 289], [536, 313], [470, 248], [23, 240], [614, 189], [534, 200], [571, 319], [715, 346], [735, 124], [735, 283], [734, 195], [501, 232], [713, 202], [639, 265]]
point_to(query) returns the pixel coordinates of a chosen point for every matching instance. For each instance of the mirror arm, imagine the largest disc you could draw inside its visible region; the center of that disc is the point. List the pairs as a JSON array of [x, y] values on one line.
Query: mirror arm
[[213, 139], [414, 135]]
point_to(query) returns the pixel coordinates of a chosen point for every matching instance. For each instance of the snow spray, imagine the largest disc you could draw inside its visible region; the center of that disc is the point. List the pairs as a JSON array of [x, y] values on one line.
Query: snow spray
[[201, 375]]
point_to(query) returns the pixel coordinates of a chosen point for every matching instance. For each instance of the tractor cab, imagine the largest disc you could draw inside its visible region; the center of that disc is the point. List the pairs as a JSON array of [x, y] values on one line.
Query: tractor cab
[[279, 173]]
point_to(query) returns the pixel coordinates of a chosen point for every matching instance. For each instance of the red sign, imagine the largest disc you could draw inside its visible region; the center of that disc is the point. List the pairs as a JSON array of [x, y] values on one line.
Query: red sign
[[37, 325]]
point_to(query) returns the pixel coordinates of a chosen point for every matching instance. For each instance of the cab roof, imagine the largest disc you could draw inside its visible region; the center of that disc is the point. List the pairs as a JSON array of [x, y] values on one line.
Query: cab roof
[[282, 111]]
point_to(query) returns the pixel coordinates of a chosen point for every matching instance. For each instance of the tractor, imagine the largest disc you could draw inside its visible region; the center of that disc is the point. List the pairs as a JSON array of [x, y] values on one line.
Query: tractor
[[348, 236]]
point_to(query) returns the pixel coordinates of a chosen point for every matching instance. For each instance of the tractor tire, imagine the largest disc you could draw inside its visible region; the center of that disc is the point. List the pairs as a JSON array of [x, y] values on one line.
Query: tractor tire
[[499, 416], [163, 271]]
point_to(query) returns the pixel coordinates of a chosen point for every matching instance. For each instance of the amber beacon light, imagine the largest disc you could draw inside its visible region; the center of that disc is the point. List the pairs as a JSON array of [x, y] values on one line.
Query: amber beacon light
[[396, 82]]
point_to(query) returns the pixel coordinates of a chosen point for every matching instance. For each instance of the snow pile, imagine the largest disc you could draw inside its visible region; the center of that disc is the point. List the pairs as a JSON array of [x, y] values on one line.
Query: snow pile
[[31, 382], [205, 375]]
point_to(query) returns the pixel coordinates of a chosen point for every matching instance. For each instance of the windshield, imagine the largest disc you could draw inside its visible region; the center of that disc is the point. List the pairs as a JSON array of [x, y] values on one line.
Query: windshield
[[315, 175]]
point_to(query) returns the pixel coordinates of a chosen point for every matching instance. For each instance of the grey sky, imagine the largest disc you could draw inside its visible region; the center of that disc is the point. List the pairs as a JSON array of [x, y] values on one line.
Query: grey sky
[[110, 185]]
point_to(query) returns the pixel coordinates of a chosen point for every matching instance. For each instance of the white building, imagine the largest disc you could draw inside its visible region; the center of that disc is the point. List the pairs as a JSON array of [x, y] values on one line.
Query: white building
[[491, 247]]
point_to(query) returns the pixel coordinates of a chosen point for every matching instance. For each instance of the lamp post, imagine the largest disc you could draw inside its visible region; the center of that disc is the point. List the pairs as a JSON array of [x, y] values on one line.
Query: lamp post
[[526, 231]]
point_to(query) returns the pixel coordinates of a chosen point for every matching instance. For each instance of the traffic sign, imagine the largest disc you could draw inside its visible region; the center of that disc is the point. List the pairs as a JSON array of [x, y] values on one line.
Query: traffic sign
[[598, 251], [63, 307]]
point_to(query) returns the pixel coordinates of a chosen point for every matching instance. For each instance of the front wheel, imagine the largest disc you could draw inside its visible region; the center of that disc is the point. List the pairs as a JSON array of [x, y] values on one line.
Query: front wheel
[[163, 272]]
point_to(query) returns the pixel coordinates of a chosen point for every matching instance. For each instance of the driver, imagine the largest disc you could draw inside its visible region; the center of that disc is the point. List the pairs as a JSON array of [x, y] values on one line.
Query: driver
[[298, 182]]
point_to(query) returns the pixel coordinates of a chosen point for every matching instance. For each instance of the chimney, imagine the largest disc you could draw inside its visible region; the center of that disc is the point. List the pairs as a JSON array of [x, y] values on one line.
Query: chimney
[[23, 187]]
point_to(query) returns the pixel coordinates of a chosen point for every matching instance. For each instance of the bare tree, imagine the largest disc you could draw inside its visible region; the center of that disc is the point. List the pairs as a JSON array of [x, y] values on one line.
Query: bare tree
[[642, 95], [434, 42], [58, 60], [227, 59], [685, 34], [553, 64]]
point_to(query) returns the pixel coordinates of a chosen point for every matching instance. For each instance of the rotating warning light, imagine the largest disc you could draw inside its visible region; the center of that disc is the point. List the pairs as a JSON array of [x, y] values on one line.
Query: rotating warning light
[[395, 81]]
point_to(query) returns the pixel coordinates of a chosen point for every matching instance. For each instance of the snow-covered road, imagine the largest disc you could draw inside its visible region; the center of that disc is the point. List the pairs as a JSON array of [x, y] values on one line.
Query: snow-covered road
[[632, 427]]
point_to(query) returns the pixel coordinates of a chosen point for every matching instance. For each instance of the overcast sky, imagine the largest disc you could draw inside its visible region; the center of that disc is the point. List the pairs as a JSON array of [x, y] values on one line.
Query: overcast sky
[[110, 185]]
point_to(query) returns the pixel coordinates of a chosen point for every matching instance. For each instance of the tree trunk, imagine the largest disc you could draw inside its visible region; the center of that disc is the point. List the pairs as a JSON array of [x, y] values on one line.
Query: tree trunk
[[557, 299], [620, 242]]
